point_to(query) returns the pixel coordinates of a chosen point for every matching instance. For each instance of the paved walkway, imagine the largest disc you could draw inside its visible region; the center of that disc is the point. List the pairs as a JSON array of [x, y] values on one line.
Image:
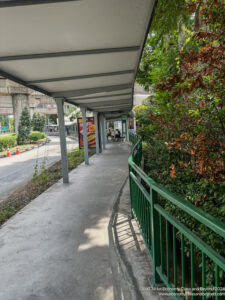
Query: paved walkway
[[132, 252], [57, 247], [18, 169]]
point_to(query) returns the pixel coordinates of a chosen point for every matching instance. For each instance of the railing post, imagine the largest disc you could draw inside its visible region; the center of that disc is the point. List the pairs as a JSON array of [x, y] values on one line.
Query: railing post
[[131, 193], [155, 238]]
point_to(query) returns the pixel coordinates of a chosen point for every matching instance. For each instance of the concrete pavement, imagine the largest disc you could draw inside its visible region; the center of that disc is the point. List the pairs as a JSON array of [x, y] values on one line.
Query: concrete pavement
[[18, 169], [57, 247], [132, 252]]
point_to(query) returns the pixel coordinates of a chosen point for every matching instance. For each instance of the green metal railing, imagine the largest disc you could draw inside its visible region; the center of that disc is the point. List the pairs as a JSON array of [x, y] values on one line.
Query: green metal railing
[[168, 240]]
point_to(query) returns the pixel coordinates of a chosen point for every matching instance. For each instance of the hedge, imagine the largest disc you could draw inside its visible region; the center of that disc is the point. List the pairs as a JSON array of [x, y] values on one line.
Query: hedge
[[7, 141], [36, 136]]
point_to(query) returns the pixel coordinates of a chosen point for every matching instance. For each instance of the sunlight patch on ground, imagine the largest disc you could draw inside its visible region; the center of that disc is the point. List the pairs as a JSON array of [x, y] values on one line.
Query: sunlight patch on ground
[[104, 293], [95, 236]]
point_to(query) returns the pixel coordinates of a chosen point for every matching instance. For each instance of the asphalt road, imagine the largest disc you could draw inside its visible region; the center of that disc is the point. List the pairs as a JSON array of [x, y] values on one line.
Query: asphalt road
[[18, 169]]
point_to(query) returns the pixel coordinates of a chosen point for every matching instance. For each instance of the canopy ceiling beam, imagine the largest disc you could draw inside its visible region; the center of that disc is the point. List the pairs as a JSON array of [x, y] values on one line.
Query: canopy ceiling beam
[[104, 100], [115, 115], [112, 106], [98, 97], [94, 90], [108, 103], [69, 53], [82, 76], [22, 82], [121, 111], [109, 119], [12, 3]]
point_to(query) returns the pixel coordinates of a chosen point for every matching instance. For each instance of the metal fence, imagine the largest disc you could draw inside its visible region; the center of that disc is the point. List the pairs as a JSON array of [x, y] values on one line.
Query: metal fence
[[174, 249]]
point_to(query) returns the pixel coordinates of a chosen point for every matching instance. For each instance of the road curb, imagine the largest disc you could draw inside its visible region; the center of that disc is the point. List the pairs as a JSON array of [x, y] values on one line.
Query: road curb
[[28, 149]]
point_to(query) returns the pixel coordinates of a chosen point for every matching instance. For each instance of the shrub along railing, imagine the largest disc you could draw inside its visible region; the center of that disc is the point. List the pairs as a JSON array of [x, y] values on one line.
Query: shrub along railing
[[174, 249]]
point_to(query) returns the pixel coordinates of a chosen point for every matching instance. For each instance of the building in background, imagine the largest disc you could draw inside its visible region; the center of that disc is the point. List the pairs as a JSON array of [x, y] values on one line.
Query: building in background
[[14, 97]]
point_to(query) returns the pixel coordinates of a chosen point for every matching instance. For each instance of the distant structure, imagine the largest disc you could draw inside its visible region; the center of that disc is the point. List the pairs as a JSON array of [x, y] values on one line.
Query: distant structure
[[139, 94], [14, 97]]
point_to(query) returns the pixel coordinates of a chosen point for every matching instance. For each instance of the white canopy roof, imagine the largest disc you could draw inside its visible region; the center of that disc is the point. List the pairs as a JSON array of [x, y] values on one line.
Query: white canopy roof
[[84, 51]]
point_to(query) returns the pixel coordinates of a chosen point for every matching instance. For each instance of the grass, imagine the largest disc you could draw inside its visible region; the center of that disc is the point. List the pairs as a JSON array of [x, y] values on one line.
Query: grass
[[37, 185]]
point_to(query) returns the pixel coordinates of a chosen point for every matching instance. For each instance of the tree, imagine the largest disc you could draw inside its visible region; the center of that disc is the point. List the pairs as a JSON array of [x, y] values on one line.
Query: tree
[[53, 119], [24, 127], [188, 106], [11, 123], [4, 120], [75, 114], [169, 29], [183, 123], [38, 122], [197, 90]]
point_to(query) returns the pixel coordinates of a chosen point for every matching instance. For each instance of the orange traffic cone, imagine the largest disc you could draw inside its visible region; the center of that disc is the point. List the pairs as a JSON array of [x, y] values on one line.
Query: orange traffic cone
[[8, 152], [17, 150]]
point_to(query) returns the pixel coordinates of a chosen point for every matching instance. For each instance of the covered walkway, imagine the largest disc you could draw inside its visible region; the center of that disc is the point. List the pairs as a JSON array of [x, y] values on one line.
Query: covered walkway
[[57, 247], [85, 53]]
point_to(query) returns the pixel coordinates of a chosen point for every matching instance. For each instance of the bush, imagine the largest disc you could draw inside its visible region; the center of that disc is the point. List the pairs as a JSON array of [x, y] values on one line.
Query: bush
[[172, 168], [36, 136], [7, 141]]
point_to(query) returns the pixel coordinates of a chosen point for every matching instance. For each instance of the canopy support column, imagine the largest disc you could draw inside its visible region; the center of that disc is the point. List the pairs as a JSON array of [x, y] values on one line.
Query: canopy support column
[[96, 132], [127, 134], [105, 134], [102, 132], [62, 134], [135, 125], [85, 139]]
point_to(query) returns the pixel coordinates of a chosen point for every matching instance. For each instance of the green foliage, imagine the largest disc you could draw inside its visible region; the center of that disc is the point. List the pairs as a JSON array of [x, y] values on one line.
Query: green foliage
[[169, 15], [8, 211], [24, 126], [158, 62], [53, 119], [36, 136], [75, 114], [7, 141], [4, 120], [170, 29], [38, 122], [12, 125], [75, 157], [183, 123], [158, 164], [69, 109]]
